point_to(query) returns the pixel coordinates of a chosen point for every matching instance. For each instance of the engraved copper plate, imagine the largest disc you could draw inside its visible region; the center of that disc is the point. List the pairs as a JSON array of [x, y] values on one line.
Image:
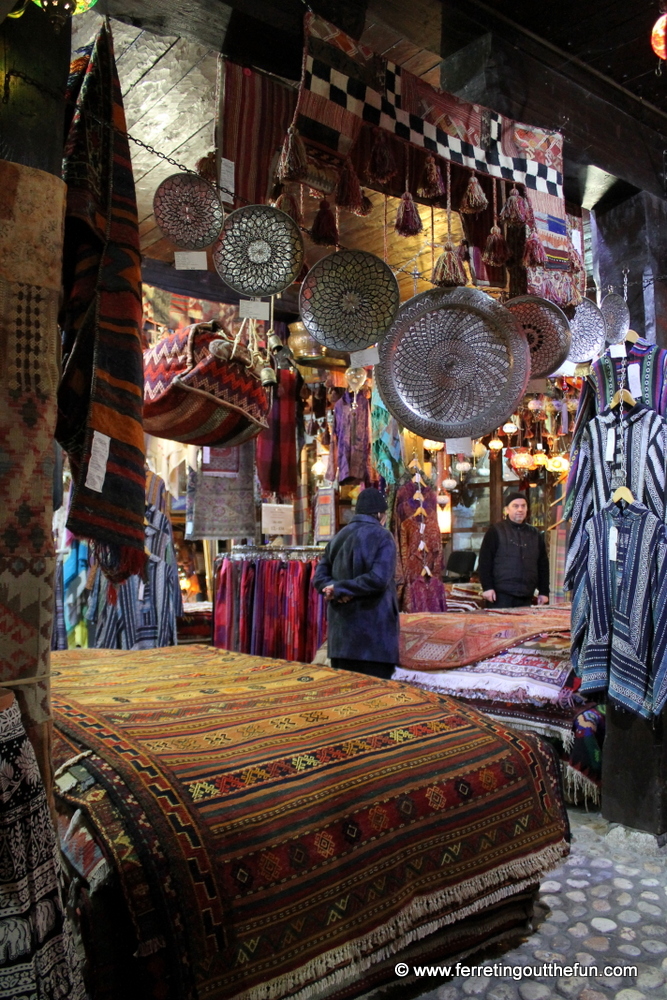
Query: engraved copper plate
[[616, 314], [260, 251], [454, 364], [547, 332], [188, 211], [349, 300]]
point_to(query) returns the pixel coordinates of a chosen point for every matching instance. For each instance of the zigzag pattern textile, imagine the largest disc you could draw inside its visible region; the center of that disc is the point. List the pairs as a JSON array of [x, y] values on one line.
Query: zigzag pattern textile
[[311, 820], [100, 399]]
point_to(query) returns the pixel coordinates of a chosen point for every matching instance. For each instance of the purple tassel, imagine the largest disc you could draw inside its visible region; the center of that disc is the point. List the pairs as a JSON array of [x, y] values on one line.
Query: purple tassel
[[382, 165], [516, 211], [534, 254], [474, 199], [324, 230], [433, 185], [408, 219], [448, 271], [348, 189], [366, 206], [496, 252]]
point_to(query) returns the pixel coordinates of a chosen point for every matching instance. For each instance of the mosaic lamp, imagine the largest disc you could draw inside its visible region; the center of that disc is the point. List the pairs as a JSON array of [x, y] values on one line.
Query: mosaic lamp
[[59, 10]]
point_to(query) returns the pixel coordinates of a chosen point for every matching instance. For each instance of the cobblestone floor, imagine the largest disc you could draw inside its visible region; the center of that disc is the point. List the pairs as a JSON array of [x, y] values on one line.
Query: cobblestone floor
[[605, 906]]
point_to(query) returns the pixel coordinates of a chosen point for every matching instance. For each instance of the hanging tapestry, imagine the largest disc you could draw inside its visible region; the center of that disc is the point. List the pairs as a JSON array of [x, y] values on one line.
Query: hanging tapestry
[[256, 112], [276, 446], [31, 233], [100, 398], [220, 506]]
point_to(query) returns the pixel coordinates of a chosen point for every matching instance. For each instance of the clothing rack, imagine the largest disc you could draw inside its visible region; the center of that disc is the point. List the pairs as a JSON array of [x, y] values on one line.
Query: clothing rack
[[303, 552]]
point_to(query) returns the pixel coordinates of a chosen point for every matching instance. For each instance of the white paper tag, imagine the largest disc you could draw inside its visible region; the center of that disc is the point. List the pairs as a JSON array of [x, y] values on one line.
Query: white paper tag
[[459, 446], [227, 181], [635, 380], [206, 457], [189, 525], [254, 309], [617, 350], [140, 591], [363, 359], [613, 543], [611, 445], [277, 519], [190, 260], [97, 467], [422, 528]]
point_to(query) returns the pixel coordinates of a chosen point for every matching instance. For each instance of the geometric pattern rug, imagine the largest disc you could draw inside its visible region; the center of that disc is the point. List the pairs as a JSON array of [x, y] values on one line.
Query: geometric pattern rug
[[313, 822]]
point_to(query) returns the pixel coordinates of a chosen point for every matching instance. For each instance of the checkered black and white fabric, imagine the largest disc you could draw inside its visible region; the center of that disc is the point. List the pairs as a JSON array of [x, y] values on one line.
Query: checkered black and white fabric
[[385, 111]]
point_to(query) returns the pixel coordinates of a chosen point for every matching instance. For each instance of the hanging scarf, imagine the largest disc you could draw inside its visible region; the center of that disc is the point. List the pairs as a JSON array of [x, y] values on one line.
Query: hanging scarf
[[100, 398]]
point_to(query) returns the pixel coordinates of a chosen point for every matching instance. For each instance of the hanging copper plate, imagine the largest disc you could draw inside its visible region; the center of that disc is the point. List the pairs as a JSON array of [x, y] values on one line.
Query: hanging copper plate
[[349, 300], [588, 332], [547, 332], [260, 251], [616, 314], [188, 211], [454, 364]]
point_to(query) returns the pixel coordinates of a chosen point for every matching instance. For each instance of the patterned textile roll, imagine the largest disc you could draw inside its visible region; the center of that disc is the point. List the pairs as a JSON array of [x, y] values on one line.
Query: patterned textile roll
[[38, 957]]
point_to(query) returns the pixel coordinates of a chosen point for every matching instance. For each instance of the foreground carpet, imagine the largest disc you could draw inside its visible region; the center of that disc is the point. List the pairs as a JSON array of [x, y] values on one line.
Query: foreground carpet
[[445, 641], [311, 823]]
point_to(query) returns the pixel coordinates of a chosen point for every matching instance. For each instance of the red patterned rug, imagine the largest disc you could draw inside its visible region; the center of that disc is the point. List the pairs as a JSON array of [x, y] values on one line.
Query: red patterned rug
[[314, 823]]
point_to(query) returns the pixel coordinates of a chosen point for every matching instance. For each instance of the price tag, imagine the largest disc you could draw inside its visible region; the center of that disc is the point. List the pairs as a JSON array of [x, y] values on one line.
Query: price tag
[[363, 359], [190, 260], [635, 380], [459, 446], [613, 543], [277, 519], [611, 445], [254, 309]]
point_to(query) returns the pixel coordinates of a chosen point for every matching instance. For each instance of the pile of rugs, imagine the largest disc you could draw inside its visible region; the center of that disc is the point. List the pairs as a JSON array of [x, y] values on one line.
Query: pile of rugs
[[270, 828], [515, 666]]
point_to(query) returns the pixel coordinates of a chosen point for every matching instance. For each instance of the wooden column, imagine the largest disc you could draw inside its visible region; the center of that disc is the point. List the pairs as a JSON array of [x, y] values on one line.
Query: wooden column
[[495, 486]]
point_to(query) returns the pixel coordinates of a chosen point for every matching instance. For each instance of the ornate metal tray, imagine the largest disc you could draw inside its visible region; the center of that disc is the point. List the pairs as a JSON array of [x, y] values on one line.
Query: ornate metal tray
[[616, 315], [349, 300], [260, 250], [588, 332], [454, 364], [547, 332], [188, 211]]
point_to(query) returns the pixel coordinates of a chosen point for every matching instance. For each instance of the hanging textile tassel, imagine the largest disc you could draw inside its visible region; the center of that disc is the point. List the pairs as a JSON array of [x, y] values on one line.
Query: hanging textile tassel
[[463, 252], [433, 185], [474, 199], [206, 168], [348, 189], [496, 252], [366, 206], [293, 163], [408, 219], [534, 254], [381, 165], [288, 204], [324, 230], [516, 211], [448, 271]]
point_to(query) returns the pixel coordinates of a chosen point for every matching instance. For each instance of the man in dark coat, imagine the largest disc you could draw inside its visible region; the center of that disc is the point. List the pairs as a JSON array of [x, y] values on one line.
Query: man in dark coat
[[356, 576], [513, 561]]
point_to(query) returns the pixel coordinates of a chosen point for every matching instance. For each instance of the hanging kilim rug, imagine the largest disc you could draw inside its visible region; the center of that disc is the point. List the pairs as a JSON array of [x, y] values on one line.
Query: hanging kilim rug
[[100, 399], [315, 821]]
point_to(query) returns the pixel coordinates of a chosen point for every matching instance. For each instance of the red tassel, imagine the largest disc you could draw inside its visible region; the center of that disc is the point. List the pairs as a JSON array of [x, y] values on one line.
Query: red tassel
[[433, 185], [448, 271], [348, 189], [293, 163], [516, 211], [382, 165], [288, 204], [324, 230], [366, 206], [534, 254], [496, 252], [408, 219], [575, 297], [206, 168], [474, 199]]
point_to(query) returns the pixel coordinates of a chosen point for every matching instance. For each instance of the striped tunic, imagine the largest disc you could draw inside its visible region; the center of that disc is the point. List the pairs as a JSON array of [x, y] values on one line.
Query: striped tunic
[[599, 465], [619, 626]]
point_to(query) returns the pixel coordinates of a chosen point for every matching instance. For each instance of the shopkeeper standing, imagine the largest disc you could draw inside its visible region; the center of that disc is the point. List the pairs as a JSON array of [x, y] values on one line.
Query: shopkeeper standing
[[513, 561], [356, 576]]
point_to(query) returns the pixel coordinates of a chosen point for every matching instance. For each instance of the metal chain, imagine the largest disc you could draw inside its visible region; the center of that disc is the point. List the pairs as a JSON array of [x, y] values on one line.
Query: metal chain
[[624, 470]]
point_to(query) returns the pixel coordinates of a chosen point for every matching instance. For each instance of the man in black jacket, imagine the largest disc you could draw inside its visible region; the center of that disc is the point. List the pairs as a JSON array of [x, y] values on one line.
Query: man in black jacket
[[513, 561], [356, 576]]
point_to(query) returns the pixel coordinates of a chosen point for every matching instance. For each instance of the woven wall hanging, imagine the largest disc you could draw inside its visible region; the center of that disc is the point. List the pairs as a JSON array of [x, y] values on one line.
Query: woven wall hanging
[[454, 364], [188, 211], [547, 332], [349, 300], [616, 315], [260, 250], [588, 333]]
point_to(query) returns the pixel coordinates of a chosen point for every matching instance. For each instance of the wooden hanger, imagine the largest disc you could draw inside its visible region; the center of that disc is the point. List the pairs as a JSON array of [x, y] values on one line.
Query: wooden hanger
[[631, 337], [622, 396], [622, 493]]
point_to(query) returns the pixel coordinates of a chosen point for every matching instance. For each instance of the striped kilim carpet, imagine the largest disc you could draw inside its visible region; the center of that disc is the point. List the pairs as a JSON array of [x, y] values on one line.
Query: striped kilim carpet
[[314, 821]]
